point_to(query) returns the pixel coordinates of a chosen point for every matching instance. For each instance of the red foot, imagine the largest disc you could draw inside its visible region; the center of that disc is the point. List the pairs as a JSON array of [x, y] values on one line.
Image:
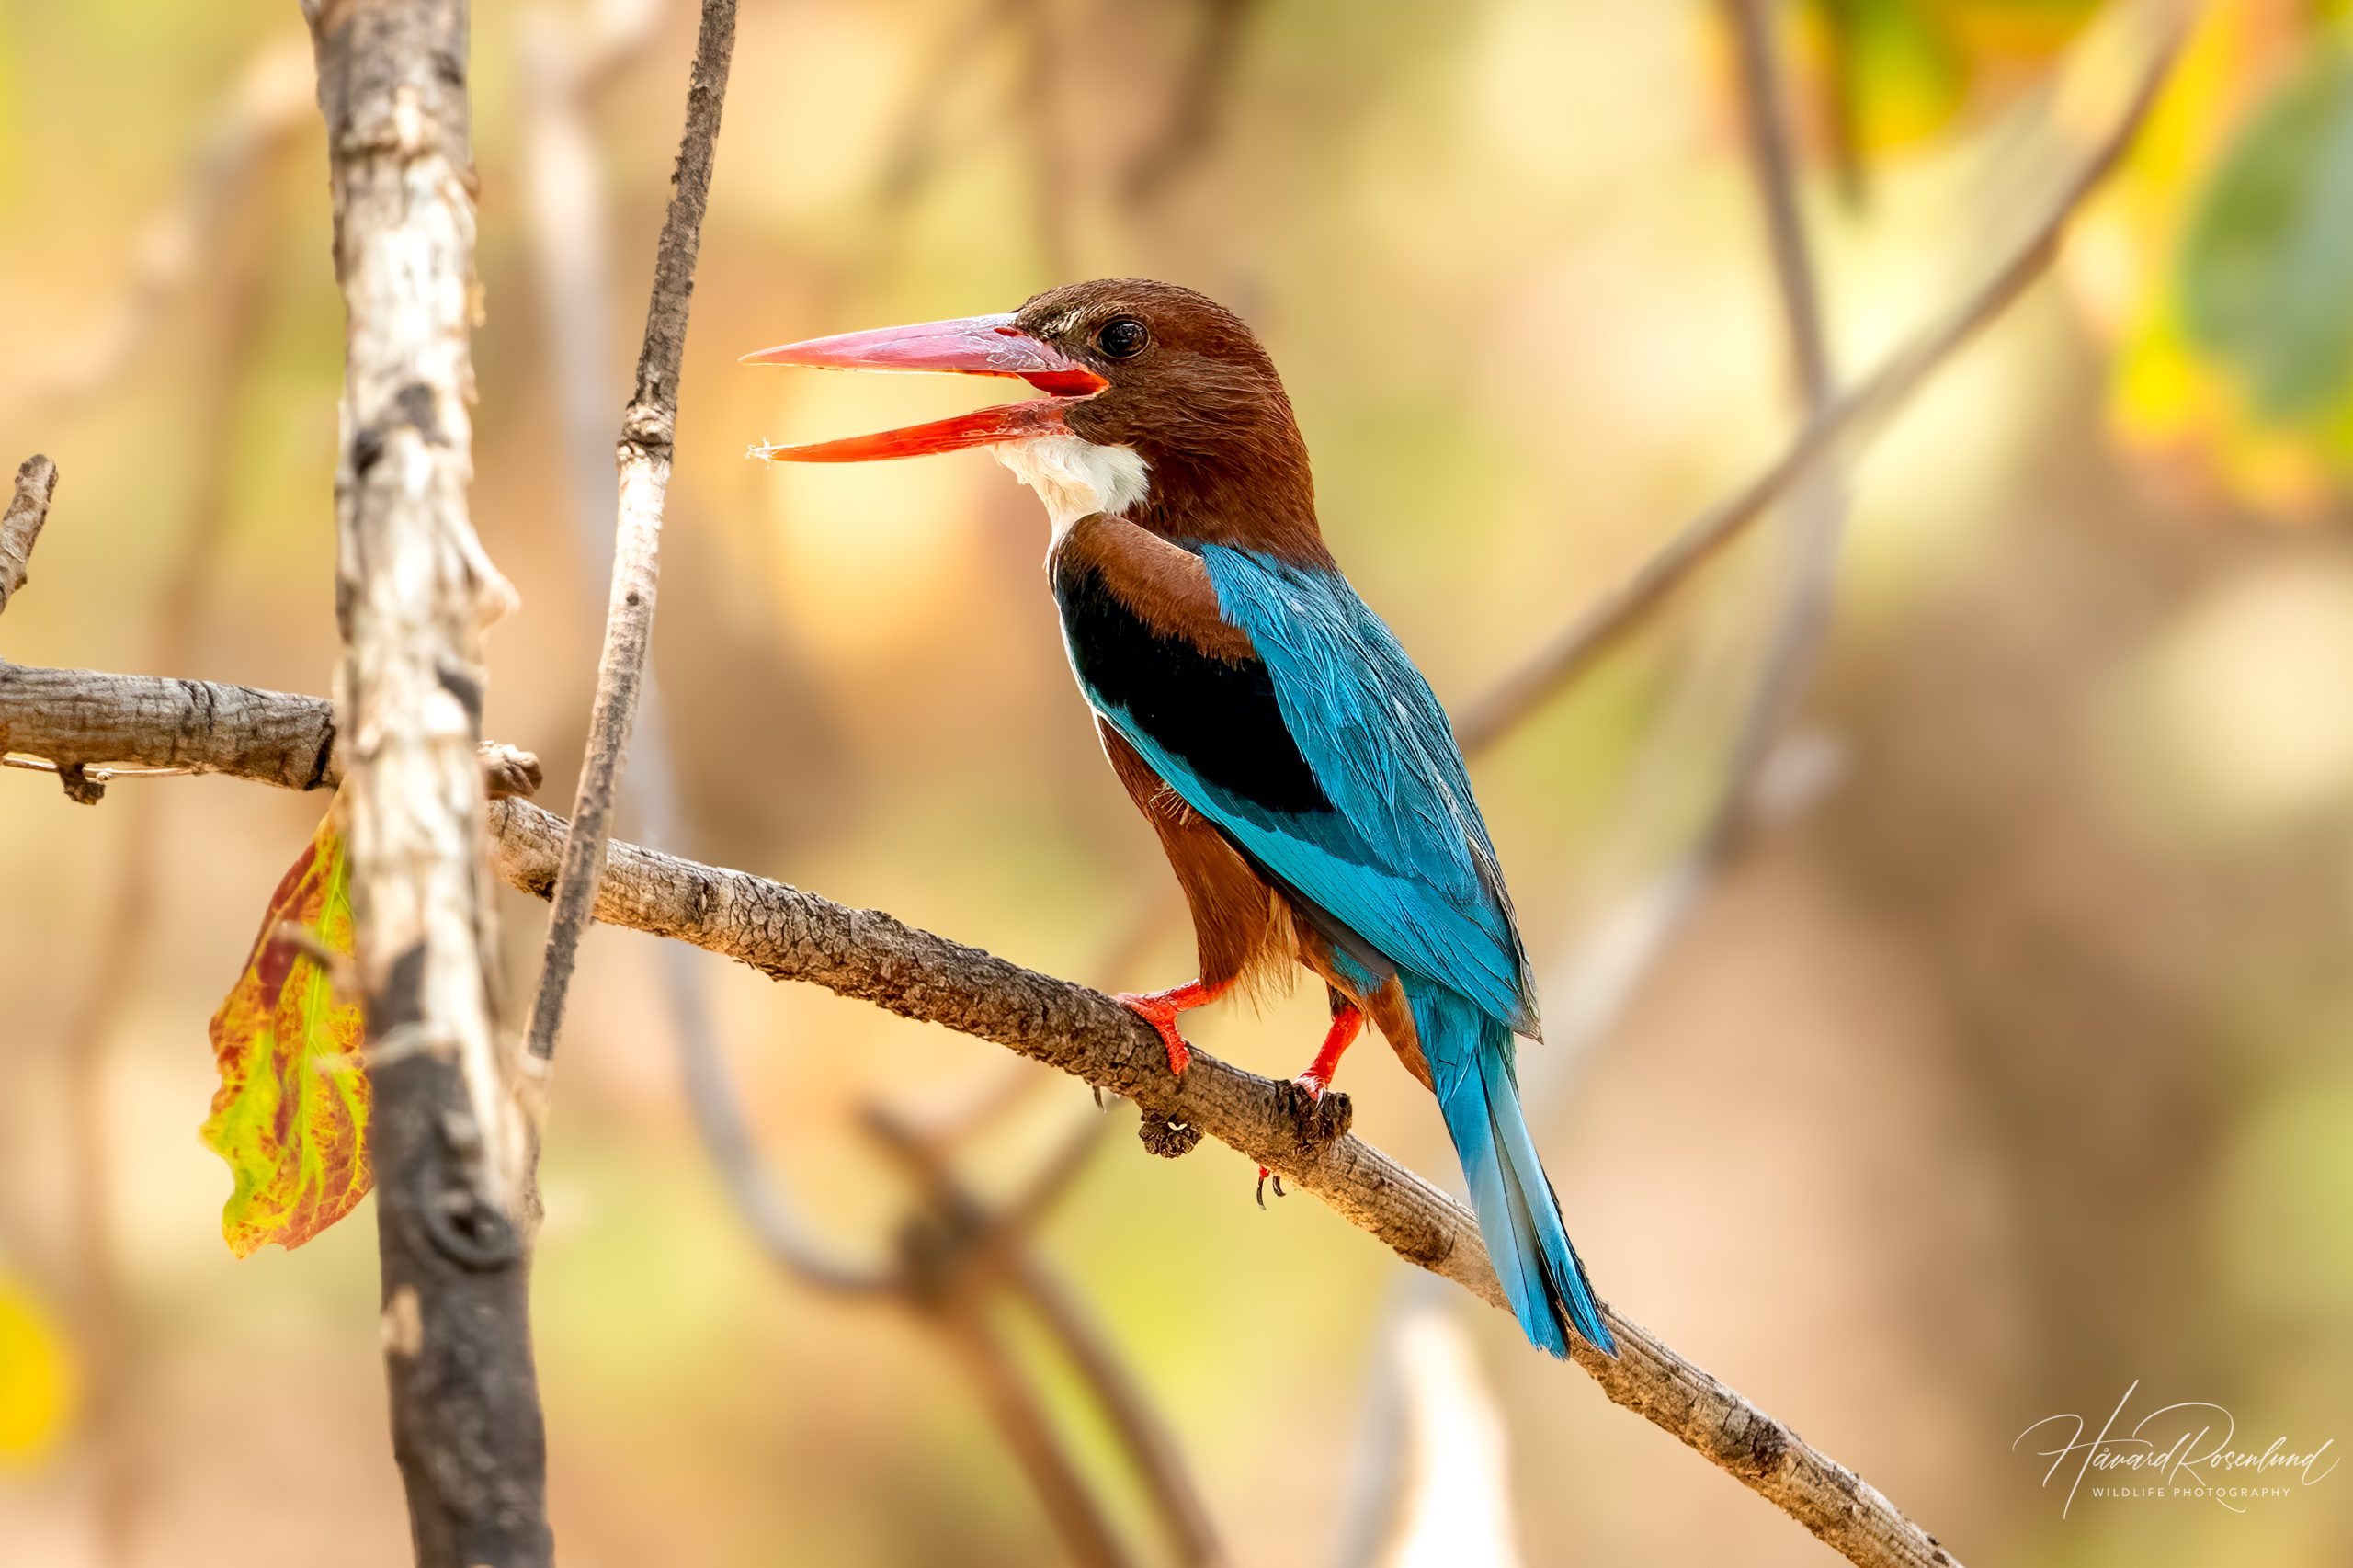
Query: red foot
[[1317, 1079], [1159, 1008], [1345, 1022]]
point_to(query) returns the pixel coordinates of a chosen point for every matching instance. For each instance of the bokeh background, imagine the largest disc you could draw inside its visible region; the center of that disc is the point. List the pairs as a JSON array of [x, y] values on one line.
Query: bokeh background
[[2002, 1065]]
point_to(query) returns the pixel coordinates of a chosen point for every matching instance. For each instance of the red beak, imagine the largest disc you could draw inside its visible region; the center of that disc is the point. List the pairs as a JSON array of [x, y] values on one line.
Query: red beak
[[977, 345]]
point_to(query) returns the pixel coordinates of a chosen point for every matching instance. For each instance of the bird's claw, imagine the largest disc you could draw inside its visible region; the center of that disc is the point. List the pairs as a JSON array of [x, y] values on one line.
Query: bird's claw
[[1318, 1117], [1156, 1012]]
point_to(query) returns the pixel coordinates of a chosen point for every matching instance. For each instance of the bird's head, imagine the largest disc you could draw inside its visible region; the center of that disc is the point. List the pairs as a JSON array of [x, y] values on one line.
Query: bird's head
[[1159, 405]]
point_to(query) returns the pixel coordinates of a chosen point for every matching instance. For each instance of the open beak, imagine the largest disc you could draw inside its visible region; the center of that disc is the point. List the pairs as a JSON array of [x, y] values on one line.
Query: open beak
[[977, 345]]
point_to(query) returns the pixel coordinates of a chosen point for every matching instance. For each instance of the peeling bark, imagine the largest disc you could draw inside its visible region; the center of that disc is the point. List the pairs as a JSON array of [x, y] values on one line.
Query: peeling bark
[[414, 593]]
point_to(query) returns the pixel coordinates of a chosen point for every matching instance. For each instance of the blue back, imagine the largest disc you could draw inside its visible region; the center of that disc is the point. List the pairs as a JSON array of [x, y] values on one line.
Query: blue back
[[1328, 762], [1402, 858]]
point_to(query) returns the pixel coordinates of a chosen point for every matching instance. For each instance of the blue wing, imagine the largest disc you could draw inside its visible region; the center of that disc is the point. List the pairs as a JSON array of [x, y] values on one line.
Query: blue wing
[[1401, 858]]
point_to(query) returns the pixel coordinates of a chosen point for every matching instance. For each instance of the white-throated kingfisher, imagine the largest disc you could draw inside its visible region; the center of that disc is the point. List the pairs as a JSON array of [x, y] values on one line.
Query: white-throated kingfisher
[[1303, 780]]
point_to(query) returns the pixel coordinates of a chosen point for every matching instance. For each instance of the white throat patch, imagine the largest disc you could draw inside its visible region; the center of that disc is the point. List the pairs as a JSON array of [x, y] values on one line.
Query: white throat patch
[[1075, 477]]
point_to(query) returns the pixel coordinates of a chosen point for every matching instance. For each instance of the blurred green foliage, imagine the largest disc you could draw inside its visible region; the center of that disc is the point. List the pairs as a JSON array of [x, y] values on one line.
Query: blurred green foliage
[[1902, 71], [2266, 266]]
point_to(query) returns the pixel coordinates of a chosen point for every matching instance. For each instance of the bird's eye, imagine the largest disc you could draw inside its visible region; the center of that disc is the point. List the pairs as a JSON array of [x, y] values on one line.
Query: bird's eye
[[1124, 338]]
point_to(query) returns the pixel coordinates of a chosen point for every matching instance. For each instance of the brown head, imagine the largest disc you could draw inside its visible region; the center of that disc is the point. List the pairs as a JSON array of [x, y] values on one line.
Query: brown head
[[1162, 407]]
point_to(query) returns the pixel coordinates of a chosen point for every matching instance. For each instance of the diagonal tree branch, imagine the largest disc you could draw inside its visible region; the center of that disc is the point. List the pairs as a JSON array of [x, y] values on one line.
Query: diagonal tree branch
[[1020, 1410], [1842, 422], [788, 934], [792, 935], [413, 592], [648, 426]]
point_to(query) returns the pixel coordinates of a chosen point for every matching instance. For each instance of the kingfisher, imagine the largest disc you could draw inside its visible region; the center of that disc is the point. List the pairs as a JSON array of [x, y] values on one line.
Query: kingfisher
[[1302, 778]]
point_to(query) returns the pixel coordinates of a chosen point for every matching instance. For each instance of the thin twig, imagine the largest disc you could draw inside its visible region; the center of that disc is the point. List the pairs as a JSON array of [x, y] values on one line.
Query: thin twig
[[1817, 505], [1848, 418], [569, 225], [648, 428], [570, 230], [21, 527]]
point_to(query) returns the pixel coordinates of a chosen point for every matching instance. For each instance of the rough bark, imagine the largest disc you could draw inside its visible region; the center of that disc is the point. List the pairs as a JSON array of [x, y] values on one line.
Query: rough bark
[[792, 935], [27, 510], [1832, 429], [88, 719], [414, 593]]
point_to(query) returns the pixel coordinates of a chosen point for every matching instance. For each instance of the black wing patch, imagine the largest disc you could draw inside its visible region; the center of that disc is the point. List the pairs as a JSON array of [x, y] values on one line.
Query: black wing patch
[[1218, 715]]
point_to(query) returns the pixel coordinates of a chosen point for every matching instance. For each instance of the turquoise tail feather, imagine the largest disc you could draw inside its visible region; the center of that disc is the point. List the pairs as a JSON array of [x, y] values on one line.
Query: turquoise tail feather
[[1470, 1057]]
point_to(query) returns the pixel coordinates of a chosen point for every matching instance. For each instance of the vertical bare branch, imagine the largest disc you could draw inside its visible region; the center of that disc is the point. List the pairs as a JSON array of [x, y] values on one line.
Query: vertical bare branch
[[20, 528], [569, 241], [1817, 505], [413, 595], [647, 429], [1772, 153], [571, 251]]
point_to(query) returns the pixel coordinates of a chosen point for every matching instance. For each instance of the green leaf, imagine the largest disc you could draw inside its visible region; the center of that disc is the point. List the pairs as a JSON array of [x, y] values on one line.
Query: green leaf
[[2267, 271], [290, 1116]]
